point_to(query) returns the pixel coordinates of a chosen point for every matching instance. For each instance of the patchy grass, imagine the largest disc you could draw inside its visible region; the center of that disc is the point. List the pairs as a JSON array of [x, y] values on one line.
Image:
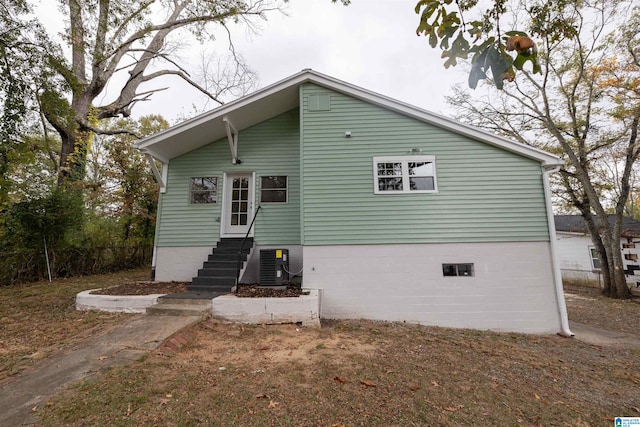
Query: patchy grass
[[352, 373], [605, 313], [39, 318]]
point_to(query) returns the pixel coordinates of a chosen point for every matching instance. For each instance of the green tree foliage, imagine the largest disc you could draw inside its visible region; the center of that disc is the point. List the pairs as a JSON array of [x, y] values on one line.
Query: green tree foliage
[[23, 71], [121, 185], [493, 38], [585, 107]]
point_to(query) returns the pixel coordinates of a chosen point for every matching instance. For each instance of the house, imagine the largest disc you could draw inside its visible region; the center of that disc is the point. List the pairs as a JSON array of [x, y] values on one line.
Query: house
[[577, 255], [393, 212]]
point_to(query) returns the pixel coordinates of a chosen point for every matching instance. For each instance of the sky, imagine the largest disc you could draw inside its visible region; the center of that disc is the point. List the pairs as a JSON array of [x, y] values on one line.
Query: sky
[[371, 43]]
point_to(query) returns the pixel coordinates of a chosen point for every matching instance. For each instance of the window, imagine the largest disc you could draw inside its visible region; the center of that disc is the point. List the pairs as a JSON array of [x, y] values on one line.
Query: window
[[628, 246], [595, 262], [631, 257], [204, 190], [457, 270], [409, 174], [273, 189]]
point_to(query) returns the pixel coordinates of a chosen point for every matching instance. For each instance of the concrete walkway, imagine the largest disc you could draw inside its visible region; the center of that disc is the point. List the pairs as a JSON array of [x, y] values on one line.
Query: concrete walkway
[[603, 337], [22, 397]]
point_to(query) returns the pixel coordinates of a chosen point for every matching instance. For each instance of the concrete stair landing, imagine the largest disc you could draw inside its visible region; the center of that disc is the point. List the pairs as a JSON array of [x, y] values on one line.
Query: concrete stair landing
[[187, 304]]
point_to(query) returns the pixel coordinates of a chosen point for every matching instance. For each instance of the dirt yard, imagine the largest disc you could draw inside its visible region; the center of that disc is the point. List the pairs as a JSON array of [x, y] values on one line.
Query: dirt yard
[[352, 373]]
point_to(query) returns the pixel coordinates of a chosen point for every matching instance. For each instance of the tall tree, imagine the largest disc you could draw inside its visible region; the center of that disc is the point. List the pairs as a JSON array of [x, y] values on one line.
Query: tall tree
[[106, 39], [22, 72], [121, 184], [585, 107]]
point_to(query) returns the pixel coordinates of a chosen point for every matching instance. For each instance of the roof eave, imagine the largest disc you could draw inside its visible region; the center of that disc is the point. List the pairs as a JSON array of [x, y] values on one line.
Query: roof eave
[[548, 160]]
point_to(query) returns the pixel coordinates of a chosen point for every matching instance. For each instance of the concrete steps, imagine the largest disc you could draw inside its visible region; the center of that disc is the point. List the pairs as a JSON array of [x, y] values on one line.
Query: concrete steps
[[218, 272], [181, 306]]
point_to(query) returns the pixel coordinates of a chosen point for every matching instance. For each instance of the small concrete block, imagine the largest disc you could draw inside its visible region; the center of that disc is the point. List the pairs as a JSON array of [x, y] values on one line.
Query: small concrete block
[[304, 309], [115, 303]]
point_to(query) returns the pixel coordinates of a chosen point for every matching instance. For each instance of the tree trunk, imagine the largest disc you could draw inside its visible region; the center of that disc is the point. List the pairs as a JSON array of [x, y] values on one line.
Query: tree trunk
[[619, 288]]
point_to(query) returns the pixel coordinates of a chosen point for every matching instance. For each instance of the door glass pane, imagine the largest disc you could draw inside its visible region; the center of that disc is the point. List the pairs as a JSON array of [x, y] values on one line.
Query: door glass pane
[[244, 195], [243, 219], [234, 219]]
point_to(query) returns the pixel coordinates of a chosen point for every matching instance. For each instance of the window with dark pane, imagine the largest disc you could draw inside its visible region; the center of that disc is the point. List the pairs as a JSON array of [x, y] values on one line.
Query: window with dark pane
[[421, 175], [203, 190], [273, 189], [452, 270], [595, 261]]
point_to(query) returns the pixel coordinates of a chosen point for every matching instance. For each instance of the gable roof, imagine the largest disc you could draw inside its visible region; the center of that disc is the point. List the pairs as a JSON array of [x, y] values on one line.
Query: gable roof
[[576, 224], [283, 96]]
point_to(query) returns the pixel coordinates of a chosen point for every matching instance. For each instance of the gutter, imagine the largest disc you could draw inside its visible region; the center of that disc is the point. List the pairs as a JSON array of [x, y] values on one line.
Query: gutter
[[557, 277]]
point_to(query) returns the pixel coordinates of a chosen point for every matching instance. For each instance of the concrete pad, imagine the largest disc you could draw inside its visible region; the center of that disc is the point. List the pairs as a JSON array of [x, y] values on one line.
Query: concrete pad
[[603, 337], [304, 309], [121, 345], [115, 303]]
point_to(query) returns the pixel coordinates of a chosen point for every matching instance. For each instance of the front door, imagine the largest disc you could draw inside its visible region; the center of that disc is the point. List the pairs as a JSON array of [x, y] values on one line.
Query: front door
[[238, 204]]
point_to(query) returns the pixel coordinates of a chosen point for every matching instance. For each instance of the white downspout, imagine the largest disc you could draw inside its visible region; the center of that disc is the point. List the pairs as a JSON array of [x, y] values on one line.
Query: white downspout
[[557, 277]]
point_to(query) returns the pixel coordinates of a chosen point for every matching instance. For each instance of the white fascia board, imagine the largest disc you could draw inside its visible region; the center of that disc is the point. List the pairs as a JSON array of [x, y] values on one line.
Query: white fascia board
[[548, 160], [570, 233]]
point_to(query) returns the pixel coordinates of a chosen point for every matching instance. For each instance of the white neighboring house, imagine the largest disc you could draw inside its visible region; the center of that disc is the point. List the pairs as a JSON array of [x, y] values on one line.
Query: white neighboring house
[[576, 252]]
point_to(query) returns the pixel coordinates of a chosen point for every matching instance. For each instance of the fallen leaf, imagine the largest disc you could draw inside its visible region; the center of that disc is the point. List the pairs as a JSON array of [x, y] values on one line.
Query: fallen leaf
[[102, 357], [273, 404], [537, 397], [367, 383], [435, 383], [339, 379], [34, 409], [250, 412], [169, 395], [262, 396], [290, 353], [636, 409], [337, 425], [414, 387]]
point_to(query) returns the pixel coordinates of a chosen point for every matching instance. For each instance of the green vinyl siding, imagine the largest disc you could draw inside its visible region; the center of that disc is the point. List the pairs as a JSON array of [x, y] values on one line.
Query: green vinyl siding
[[269, 148], [484, 193]]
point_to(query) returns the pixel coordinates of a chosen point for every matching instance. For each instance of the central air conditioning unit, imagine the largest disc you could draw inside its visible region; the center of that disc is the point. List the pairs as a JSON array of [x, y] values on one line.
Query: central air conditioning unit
[[274, 267]]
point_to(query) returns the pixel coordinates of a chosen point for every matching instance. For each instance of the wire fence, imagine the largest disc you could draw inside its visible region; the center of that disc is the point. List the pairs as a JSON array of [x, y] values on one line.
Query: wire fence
[[31, 265]]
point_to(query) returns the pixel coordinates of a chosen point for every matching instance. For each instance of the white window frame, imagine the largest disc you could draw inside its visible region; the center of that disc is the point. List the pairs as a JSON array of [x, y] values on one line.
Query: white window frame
[[404, 160], [593, 256], [286, 190], [213, 192]]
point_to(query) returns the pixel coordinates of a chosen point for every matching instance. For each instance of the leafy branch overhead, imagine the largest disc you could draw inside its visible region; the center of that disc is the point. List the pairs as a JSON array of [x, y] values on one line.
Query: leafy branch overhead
[[491, 52]]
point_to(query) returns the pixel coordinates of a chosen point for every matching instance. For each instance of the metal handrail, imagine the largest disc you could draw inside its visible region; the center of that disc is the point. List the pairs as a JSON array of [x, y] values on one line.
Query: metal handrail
[[239, 262]]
